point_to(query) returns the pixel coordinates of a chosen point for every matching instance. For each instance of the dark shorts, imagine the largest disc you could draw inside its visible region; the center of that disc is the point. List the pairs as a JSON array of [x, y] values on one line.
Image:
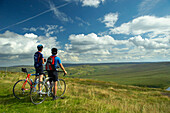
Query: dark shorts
[[39, 71], [53, 76]]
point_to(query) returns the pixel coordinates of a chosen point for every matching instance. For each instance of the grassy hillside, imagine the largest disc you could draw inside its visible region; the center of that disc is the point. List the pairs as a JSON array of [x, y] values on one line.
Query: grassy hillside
[[85, 95], [155, 75], [15, 69]]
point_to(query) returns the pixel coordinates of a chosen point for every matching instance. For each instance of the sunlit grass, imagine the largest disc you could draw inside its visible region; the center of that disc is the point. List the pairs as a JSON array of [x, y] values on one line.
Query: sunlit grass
[[84, 95]]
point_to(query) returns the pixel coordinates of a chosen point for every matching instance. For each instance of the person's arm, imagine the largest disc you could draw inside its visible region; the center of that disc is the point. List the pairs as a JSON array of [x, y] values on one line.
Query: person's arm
[[42, 60], [62, 67]]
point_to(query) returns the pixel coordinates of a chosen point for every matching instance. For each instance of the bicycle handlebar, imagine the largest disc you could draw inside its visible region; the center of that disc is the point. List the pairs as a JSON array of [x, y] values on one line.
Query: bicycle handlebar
[[63, 72], [59, 71]]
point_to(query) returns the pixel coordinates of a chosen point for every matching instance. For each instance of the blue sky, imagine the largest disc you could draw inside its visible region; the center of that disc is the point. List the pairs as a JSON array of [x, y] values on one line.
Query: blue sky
[[85, 31]]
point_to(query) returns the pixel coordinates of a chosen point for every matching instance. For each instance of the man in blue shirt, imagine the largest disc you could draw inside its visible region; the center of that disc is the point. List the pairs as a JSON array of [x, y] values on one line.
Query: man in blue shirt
[[53, 74], [38, 62]]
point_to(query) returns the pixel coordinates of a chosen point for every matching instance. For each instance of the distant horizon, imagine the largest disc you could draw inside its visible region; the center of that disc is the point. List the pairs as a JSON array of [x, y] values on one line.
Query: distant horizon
[[95, 63]]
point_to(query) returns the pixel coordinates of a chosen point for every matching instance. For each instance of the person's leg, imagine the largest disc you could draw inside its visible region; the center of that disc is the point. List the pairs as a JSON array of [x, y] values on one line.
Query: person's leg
[[36, 77], [55, 75], [41, 72], [55, 88], [40, 78]]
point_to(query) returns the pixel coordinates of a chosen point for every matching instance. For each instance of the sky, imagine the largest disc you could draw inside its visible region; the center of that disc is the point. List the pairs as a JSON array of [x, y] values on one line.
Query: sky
[[85, 31]]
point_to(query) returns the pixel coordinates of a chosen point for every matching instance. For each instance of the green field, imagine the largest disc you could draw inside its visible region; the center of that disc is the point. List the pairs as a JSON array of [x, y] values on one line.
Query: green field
[[15, 69], [85, 95], [155, 75]]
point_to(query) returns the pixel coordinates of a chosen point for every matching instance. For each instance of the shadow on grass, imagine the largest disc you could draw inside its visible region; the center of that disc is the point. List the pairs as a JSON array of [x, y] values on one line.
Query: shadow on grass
[[51, 98], [10, 99]]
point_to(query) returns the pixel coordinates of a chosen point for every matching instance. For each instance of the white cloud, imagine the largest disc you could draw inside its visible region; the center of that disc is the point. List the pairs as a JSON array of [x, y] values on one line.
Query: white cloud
[[30, 35], [82, 22], [92, 3], [148, 43], [144, 24], [47, 29], [146, 5], [92, 44], [89, 3], [110, 19], [93, 48], [60, 15], [17, 48], [12, 43]]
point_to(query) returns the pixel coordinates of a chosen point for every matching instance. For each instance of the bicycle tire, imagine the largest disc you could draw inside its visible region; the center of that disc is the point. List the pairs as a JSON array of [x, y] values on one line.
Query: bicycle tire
[[19, 92], [61, 87], [36, 96]]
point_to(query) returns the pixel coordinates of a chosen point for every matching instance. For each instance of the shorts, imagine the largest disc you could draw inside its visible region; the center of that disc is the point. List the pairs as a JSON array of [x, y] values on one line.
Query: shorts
[[53, 76], [39, 71]]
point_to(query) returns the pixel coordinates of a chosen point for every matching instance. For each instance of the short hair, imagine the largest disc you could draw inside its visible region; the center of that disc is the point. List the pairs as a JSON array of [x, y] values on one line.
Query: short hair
[[39, 47], [54, 51]]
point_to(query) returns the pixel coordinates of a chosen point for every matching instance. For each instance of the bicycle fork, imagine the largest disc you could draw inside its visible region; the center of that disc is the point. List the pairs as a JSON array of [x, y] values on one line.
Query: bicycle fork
[[50, 91]]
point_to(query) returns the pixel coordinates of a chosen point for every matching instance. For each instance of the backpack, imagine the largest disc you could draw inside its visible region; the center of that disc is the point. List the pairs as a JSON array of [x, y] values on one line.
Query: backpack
[[37, 60], [50, 65]]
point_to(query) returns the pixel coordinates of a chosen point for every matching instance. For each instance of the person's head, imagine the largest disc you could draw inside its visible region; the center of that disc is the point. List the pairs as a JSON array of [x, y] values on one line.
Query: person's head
[[54, 51], [40, 47]]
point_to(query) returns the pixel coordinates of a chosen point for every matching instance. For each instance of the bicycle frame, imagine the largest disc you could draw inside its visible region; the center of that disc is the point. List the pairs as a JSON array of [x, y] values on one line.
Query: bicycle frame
[[27, 78]]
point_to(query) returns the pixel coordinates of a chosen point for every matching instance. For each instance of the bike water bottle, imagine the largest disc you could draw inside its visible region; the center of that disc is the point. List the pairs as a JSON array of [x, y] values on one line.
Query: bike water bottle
[[36, 82], [48, 84]]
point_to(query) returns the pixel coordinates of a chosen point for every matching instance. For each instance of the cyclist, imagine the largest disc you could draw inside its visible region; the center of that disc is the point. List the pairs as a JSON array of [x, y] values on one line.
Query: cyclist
[[53, 73], [38, 63]]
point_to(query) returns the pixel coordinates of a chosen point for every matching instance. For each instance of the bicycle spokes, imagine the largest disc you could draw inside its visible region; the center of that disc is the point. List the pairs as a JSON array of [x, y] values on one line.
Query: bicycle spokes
[[38, 93], [21, 89], [61, 87]]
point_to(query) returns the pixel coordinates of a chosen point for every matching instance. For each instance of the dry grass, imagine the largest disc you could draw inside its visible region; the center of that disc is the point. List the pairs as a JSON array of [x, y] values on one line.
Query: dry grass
[[83, 95], [118, 99]]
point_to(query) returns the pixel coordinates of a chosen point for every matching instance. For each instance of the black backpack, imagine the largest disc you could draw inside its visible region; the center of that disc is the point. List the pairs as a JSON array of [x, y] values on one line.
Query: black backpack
[[37, 60]]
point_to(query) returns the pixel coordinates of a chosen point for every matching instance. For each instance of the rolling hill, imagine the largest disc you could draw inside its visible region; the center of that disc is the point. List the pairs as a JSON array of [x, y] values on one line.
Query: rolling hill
[[155, 75], [87, 95]]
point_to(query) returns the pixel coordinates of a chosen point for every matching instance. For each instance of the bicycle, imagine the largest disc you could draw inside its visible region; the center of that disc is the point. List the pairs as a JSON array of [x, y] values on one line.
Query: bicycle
[[44, 89], [22, 88]]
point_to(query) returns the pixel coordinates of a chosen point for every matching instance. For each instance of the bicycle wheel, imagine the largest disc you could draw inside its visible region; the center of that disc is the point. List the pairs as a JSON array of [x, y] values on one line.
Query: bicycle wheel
[[38, 96], [61, 87], [50, 90], [21, 89]]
